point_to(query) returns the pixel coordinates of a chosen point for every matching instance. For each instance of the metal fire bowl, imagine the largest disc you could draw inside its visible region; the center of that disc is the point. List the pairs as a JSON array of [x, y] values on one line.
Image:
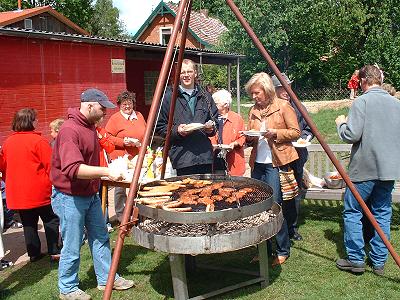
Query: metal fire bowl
[[208, 244], [224, 215]]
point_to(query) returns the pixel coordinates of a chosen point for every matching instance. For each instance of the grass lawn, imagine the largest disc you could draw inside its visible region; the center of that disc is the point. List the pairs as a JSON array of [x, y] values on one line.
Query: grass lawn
[[324, 119], [310, 273]]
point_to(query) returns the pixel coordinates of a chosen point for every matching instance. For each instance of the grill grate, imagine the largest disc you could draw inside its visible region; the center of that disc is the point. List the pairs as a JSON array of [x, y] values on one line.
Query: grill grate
[[196, 230], [260, 192]]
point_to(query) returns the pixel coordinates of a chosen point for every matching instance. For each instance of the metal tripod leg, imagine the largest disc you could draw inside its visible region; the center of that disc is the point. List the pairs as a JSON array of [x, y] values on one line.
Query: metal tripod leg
[[263, 261], [178, 273]]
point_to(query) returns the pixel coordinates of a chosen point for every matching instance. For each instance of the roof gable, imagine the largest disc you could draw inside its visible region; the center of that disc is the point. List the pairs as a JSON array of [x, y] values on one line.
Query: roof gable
[[205, 29], [10, 17]]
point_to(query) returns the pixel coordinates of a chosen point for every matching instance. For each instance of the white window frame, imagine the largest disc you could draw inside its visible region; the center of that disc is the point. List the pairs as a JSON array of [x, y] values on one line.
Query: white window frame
[[28, 23], [161, 33], [150, 83]]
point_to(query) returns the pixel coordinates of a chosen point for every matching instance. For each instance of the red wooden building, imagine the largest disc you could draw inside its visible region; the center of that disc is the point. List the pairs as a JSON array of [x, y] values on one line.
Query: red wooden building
[[48, 71], [43, 18]]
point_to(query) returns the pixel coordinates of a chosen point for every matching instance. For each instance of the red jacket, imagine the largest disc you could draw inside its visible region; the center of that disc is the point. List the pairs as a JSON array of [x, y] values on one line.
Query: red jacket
[[353, 82], [76, 143], [119, 127], [105, 145], [230, 133], [25, 161]]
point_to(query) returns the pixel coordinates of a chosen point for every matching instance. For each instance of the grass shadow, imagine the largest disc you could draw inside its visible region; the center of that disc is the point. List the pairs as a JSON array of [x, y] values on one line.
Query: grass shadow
[[320, 210], [202, 281], [127, 259], [26, 276]]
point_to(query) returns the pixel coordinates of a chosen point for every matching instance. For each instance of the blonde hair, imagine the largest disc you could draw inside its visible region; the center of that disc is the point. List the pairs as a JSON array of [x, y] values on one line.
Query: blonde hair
[[264, 81], [389, 88], [187, 61], [222, 97], [56, 124]]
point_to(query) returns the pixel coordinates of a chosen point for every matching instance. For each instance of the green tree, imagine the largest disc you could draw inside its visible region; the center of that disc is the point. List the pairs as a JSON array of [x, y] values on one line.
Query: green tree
[[105, 21], [319, 43], [99, 17], [9, 5], [80, 12]]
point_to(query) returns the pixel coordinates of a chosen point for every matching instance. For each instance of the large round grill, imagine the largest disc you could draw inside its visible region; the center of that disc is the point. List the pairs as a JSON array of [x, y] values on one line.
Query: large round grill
[[230, 227], [197, 239], [257, 201]]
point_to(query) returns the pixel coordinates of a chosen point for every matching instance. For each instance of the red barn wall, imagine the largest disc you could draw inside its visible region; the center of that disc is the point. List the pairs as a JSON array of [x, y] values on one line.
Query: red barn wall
[[50, 76], [135, 80], [152, 32]]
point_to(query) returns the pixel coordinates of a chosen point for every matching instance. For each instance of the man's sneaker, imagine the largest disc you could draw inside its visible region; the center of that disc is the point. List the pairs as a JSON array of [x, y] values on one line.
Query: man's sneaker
[[4, 264], [12, 224], [296, 236], [120, 284], [379, 270], [109, 228], [346, 265], [75, 295]]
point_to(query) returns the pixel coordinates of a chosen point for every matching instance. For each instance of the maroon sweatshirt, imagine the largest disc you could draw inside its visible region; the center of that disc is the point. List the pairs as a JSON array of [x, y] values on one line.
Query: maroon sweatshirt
[[76, 143]]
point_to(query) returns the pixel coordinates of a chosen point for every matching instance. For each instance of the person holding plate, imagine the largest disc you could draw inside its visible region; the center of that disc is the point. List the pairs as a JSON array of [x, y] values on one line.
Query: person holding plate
[[127, 128], [228, 139], [191, 151], [75, 174], [297, 165], [372, 127], [272, 150]]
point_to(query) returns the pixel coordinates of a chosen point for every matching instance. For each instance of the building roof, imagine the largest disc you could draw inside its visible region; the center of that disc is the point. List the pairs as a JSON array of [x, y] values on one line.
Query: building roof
[[10, 17], [205, 29], [207, 56]]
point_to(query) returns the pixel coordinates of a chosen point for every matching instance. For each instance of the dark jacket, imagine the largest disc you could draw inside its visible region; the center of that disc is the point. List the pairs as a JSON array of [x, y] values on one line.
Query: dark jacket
[[77, 143], [195, 148], [305, 130]]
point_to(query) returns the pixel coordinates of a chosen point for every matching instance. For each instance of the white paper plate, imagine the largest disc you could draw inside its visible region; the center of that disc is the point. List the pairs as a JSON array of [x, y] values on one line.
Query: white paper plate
[[221, 146], [297, 145], [193, 126], [254, 133]]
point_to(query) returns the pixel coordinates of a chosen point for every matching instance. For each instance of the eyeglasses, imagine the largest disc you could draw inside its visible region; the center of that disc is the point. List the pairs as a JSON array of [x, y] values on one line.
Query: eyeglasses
[[190, 72]]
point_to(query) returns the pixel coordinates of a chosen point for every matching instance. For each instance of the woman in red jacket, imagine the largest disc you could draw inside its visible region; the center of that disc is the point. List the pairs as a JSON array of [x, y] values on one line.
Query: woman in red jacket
[[127, 128], [230, 125], [25, 162], [353, 85]]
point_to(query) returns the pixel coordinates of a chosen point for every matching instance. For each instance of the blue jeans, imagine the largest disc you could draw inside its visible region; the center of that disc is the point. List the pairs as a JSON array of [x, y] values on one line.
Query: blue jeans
[[75, 213], [270, 175], [379, 194]]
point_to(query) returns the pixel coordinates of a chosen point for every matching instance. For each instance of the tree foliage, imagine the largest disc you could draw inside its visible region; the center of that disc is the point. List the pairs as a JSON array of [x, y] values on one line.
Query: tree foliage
[[319, 43], [105, 20], [99, 17]]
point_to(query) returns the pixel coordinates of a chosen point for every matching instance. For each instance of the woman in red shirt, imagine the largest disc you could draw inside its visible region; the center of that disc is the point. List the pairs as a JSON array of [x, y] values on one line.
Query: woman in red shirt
[[229, 135], [25, 162], [127, 129], [353, 85]]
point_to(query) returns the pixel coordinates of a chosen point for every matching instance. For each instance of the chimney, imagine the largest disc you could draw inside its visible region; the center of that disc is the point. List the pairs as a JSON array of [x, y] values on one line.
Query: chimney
[[204, 12], [19, 4]]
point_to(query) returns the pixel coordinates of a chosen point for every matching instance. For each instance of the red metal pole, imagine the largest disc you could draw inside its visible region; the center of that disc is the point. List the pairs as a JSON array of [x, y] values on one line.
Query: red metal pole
[[182, 43], [314, 128], [124, 229]]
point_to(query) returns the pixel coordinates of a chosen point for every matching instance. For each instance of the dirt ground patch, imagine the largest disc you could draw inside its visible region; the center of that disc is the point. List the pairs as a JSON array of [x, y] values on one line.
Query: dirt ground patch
[[316, 106]]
